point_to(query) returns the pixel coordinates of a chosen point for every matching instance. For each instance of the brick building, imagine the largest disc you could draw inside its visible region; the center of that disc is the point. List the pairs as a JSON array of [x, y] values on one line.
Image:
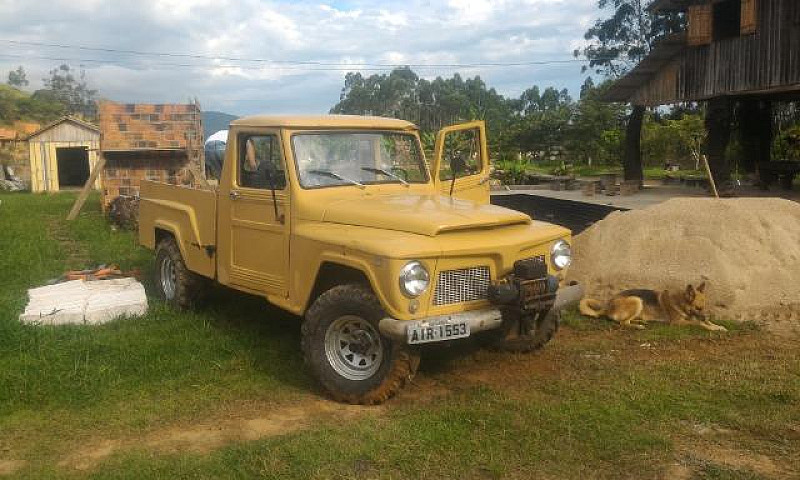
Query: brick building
[[149, 142]]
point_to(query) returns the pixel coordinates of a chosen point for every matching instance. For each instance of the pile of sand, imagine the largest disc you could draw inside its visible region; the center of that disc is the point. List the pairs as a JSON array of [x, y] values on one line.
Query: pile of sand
[[748, 250]]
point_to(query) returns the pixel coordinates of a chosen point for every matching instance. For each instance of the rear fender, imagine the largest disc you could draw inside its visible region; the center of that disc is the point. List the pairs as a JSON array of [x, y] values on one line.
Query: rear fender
[[197, 258]]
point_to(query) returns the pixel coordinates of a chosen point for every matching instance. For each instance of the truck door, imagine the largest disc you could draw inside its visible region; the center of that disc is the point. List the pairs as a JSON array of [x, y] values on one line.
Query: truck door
[[253, 229], [461, 162]]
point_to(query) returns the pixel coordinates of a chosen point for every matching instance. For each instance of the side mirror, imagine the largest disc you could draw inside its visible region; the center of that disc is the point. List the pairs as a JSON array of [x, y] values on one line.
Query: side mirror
[[269, 168], [457, 165]]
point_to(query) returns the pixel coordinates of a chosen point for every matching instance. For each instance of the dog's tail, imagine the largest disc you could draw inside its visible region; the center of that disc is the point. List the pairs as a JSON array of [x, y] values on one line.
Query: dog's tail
[[592, 308]]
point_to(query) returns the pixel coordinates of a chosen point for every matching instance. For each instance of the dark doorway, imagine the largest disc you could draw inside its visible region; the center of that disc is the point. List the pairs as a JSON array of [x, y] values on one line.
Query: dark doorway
[[73, 166]]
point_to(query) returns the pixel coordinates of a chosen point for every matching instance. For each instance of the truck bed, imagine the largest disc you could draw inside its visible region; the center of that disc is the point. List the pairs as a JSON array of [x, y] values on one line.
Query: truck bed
[[188, 214]]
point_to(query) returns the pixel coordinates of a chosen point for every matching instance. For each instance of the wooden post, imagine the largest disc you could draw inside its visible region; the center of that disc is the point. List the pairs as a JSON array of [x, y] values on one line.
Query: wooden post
[[710, 177], [632, 163], [755, 132], [195, 160], [718, 126], [87, 187]]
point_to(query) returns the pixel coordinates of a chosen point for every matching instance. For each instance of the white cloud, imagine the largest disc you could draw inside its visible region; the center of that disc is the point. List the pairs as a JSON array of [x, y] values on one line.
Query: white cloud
[[392, 21], [351, 32], [471, 12]]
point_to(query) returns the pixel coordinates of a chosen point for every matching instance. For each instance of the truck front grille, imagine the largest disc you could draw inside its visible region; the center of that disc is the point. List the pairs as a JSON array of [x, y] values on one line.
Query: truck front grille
[[462, 285]]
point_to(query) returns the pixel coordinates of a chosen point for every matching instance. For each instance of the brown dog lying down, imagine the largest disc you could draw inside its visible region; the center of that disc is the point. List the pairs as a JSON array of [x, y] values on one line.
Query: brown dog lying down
[[632, 308]]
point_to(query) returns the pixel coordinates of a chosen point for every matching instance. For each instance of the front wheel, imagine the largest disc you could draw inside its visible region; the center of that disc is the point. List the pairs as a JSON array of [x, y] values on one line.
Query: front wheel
[[346, 352]]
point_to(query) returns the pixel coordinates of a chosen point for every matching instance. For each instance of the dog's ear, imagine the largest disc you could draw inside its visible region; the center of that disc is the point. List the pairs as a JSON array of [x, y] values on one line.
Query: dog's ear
[[702, 287], [690, 292]]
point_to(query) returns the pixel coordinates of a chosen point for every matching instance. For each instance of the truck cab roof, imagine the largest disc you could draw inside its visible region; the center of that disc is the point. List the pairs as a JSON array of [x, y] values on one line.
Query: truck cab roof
[[324, 121]]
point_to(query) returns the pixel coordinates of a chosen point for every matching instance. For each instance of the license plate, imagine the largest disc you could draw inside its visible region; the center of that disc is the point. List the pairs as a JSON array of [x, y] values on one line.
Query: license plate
[[425, 332]]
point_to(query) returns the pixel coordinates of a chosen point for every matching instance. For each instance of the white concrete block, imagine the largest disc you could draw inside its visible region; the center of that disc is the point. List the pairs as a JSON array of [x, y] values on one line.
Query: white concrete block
[[79, 302]]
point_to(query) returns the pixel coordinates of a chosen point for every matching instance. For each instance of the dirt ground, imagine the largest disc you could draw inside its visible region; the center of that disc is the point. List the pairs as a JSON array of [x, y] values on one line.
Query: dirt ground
[[700, 447]]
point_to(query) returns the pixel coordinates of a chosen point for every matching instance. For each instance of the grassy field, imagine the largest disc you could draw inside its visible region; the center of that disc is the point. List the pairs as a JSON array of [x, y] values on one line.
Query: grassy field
[[222, 392]]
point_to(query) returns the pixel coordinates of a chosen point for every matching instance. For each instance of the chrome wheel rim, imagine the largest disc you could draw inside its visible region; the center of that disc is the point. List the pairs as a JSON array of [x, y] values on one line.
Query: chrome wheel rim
[[353, 347], [168, 277]]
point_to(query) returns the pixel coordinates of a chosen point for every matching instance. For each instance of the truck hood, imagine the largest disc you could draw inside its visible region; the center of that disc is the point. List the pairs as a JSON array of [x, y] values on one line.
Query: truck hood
[[421, 214]]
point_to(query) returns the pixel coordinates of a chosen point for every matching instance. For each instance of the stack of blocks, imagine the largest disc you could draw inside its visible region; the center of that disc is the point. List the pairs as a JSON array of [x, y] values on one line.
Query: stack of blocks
[[149, 142]]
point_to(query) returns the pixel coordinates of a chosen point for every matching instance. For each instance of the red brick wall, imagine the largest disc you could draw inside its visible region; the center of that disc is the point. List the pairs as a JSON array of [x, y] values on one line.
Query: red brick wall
[[147, 126], [124, 172], [133, 137]]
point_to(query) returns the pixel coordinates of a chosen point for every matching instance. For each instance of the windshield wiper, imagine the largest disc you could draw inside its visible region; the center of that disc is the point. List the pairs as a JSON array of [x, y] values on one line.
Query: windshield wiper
[[385, 172], [328, 173]]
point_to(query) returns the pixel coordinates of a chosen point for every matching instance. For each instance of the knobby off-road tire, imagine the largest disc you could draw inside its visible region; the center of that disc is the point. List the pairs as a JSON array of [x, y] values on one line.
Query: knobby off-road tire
[[176, 284], [349, 357], [525, 334]]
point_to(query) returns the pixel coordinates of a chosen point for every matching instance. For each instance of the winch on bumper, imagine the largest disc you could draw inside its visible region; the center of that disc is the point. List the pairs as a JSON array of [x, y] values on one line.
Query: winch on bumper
[[525, 291]]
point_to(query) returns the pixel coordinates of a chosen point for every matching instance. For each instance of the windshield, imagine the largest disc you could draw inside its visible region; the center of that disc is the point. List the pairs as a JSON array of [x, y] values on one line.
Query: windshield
[[346, 158]]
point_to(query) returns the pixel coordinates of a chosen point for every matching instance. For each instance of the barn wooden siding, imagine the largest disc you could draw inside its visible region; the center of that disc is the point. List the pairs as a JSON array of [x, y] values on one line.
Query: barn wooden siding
[[43, 148], [767, 61]]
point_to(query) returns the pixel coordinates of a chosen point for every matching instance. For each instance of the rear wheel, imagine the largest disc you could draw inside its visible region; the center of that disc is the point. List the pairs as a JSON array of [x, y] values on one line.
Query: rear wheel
[[177, 285], [346, 352], [524, 333]]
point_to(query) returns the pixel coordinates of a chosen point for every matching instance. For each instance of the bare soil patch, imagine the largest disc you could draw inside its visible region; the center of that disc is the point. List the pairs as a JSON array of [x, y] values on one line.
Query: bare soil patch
[[75, 252], [742, 460], [215, 433], [8, 467]]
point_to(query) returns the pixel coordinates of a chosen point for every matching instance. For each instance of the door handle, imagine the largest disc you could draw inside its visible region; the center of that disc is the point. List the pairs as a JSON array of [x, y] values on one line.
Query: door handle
[[234, 195]]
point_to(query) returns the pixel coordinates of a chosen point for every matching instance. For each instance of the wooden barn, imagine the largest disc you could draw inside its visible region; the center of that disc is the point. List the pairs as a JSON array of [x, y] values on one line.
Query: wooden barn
[[737, 56], [149, 142], [62, 155]]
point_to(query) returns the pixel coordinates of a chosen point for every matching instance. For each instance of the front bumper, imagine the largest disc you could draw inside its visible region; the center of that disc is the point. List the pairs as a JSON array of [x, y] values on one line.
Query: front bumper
[[478, 320]]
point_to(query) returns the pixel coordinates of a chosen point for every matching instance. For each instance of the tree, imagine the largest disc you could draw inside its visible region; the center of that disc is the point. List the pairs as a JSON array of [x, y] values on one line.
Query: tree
[[17, 78], [594, 134], [431, 104], [616, 45], [620, 42], [71, 91]]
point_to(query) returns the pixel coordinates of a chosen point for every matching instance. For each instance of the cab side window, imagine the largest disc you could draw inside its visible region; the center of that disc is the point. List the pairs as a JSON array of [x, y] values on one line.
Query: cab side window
[[260, 163]]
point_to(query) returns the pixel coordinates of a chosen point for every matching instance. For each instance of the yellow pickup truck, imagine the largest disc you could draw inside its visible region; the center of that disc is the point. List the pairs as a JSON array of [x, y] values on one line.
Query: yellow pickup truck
[[339, 219]]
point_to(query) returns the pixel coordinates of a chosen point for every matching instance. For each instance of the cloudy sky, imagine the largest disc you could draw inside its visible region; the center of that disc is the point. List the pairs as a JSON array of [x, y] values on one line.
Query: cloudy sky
[[249, 56]]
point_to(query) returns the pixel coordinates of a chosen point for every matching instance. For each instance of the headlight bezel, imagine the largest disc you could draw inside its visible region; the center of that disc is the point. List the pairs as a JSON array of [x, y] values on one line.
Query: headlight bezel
[[410, 283], [561, 249]]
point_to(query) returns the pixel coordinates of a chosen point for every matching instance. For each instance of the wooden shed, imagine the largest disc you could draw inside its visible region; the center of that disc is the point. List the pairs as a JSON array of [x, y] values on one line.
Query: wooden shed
[[731, 48], [63, 154], [736, 56]]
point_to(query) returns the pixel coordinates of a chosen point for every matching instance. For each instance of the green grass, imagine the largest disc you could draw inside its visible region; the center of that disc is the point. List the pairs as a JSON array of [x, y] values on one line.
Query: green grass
[[57, 379], [598, 402], [650, 173]]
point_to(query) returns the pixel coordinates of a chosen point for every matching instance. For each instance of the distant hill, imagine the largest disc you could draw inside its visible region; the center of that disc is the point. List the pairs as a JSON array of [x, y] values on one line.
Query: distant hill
[[216, 121]]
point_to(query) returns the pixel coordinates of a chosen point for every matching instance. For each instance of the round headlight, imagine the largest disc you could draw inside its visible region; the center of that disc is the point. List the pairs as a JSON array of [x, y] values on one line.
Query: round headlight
[[414, 279], [561, 255]]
